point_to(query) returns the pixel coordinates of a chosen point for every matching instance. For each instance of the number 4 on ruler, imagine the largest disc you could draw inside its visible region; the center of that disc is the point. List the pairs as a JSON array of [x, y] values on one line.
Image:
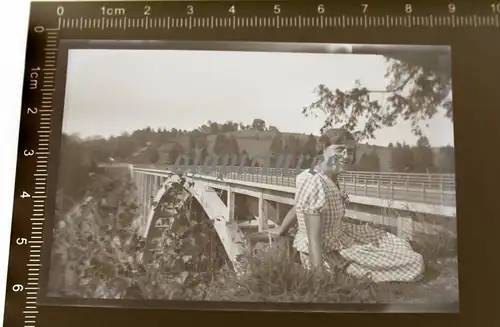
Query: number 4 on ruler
[[25, 195]]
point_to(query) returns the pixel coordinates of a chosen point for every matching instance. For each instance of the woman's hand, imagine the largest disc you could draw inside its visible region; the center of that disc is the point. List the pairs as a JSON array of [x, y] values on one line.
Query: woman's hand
[[276, 231]]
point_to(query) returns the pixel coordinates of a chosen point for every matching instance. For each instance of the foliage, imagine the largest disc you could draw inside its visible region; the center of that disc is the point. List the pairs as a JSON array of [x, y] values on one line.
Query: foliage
[[402, 159], [73, 172], [369, 162], [423, 156], [269, 275], [259, 125], [154, 156], [98, 252], [446, 163], [225, 145], [415, 92]]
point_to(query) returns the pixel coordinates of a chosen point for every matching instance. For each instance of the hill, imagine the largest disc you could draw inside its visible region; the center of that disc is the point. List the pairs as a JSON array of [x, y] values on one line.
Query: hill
[[255, 143]]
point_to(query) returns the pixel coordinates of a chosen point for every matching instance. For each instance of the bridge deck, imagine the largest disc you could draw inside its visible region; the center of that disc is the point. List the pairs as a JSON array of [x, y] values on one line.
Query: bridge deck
[[420, 188]]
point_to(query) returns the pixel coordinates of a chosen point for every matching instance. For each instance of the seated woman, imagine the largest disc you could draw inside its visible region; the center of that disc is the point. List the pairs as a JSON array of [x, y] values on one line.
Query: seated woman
[[323, 235]]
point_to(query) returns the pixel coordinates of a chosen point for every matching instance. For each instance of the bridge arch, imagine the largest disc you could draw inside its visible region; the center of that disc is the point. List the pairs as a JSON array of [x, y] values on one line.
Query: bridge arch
[[231, 236]]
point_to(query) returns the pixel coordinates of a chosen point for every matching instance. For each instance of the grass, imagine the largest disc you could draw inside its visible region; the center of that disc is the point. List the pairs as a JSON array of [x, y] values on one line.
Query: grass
[[271, 275]]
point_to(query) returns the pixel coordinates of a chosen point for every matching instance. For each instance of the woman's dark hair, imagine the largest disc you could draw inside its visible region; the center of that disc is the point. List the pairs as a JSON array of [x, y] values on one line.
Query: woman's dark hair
[[335, 136]]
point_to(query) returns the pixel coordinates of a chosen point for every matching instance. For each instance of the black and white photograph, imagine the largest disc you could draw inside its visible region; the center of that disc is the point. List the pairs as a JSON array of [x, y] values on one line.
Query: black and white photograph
[[257, 176]]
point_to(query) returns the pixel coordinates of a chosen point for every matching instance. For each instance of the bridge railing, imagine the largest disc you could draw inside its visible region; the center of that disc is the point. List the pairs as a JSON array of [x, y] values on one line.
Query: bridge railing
[[436, 189]]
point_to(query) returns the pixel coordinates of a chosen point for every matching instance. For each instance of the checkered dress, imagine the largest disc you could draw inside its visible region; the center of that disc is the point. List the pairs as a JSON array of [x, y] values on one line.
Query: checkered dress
[[367, 251]]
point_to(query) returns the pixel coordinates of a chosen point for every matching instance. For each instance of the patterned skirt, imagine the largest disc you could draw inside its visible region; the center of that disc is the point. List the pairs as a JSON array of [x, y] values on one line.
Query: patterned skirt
[[376, 254]]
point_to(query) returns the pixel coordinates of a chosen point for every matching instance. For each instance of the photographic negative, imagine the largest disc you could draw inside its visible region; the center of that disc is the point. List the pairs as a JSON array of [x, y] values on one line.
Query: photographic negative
[[196, 174]]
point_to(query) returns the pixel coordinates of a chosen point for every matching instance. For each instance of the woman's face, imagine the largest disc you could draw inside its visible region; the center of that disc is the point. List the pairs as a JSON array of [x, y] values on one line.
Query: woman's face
[[337, 158]]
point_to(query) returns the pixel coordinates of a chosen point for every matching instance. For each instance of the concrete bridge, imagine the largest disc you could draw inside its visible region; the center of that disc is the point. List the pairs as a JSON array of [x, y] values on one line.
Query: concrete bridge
[[241, 201]]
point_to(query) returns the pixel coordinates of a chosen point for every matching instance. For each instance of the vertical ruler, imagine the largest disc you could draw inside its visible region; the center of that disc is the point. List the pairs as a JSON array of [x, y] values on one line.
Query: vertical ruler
[[33, 159]]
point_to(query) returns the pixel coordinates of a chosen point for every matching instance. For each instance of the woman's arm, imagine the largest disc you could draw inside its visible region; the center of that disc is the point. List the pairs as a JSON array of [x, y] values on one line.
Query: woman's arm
[[312, 199], [288, 221], [313, 225]]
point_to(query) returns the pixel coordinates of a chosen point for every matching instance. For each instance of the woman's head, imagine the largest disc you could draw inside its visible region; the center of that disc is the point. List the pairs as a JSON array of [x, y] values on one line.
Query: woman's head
[[338, 148]]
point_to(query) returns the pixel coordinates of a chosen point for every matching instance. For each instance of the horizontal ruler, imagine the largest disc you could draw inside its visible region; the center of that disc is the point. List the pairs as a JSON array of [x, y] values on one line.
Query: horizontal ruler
[[236, 22]]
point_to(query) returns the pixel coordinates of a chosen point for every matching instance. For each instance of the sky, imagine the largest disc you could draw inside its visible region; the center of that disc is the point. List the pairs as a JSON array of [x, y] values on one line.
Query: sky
[[109, 92]]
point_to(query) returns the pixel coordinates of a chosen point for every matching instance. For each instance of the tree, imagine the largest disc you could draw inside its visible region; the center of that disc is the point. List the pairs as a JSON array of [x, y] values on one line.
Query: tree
[[390, 145], [446, 162], [73, 171], [99, 148], [154, 156], [273, 129], [423, 156], [242, 126], [174, 153], [234, 149], [205, 128], [423, 142], [276, 148], [259, 125], [214, 128], [369, 162], [292, 147], [191, 143], [402, 159], [229, 126], [226, 147], [417, 88], [309, 151], [125, 146], [247, 161]]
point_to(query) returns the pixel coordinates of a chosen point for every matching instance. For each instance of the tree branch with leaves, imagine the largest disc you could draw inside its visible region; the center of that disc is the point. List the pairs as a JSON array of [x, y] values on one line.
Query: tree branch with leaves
[[415, 93]]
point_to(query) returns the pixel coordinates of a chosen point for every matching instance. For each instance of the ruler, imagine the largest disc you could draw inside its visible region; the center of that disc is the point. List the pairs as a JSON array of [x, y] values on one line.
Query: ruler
[[52, 23], [268, 15]]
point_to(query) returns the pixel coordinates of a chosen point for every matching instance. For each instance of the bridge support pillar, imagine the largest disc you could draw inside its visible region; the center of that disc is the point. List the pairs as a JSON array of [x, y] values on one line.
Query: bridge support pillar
[[156, 186], [230, 204], [144, 197], [262, 213], [278, 213], [149, 189]]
